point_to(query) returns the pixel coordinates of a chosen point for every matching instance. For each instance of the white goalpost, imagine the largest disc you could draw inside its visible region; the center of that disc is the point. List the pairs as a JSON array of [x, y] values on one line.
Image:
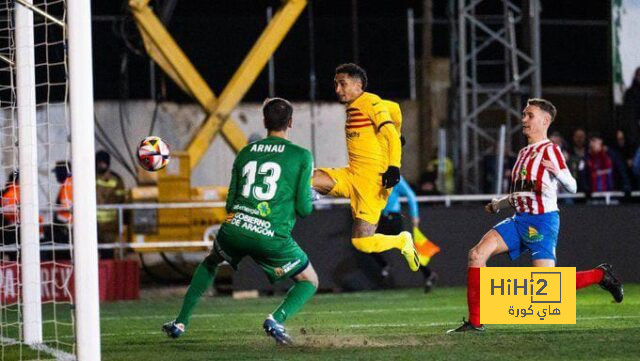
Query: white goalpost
[[28, 168], [46, 124], [84, 189]]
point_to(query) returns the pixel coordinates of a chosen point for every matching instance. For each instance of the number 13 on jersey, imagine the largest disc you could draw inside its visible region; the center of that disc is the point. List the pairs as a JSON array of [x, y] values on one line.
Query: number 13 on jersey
[[266, 189]]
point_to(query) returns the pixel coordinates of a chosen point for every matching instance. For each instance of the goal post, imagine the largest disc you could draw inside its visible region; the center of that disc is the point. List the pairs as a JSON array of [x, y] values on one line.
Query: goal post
[[84, 190], [28, 167], [49, 296]]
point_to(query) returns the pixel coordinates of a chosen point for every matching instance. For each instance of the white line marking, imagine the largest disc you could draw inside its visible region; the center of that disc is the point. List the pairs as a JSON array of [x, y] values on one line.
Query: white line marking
[[58, 354], [6, 341]]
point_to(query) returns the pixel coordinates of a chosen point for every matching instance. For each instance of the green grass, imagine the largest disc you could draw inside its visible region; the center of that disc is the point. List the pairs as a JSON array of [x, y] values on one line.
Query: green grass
[[385, 325], [401, 324]]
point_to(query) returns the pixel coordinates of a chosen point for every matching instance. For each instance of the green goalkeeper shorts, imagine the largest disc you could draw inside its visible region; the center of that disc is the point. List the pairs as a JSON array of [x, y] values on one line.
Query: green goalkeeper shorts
[[279, 258]]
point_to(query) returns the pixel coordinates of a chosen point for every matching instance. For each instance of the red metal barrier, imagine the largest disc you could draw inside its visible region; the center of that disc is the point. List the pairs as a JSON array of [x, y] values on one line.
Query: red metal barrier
[[119, 280]]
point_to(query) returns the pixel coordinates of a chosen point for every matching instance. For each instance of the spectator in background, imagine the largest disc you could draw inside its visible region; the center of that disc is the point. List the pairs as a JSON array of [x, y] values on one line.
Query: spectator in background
[[579, 146], [10, 212], [635, 167], [109, 190], [59, 231], [557, 139], [490, 167], [624, 147], [64, 200], [599, 164], [630, 121], [578, 167], [433, 183], [428, 184], [622, 155]]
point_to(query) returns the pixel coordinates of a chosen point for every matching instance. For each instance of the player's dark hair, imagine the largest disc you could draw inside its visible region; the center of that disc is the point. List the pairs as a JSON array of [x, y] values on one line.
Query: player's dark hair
[[277, 114], [354, 71], [545, 106]]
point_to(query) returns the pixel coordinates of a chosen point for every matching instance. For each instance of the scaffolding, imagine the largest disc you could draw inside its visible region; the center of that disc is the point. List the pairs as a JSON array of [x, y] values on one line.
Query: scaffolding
[[496, 65]]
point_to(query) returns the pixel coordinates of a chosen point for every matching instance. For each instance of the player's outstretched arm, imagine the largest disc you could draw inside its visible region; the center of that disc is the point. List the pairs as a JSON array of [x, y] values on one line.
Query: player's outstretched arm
[[304, 197], [498, 204], [392, 176]]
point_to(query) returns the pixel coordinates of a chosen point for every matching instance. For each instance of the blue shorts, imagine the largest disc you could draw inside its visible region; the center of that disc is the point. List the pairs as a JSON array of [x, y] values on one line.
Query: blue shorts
[[525, 232]]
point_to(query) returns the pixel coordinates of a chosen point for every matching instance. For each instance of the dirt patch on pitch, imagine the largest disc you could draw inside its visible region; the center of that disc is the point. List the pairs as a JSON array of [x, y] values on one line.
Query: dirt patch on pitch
[[339, 341]]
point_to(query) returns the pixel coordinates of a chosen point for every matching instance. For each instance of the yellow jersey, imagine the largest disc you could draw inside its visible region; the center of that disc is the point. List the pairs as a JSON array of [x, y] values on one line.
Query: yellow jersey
[[367, 150]]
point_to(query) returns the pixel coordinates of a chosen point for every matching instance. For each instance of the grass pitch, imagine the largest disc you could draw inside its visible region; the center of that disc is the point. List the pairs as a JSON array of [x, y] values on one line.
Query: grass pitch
[[383, 325]]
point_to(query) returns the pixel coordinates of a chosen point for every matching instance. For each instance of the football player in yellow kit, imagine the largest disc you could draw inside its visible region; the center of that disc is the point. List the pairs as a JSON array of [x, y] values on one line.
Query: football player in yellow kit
[[375, 150]]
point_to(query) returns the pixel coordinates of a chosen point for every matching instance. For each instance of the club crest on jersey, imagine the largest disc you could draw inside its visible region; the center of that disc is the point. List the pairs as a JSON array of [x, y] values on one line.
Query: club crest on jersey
[[264, 209], [523, 172]]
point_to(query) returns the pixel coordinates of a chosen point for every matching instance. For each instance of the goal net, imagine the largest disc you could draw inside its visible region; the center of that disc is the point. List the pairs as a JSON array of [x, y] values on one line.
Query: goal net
[[48, 281]]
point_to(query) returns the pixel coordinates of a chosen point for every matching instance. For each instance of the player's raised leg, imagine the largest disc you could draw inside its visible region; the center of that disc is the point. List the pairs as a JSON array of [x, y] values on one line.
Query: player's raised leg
[[604, 276], [491, 244], [366, 240], [305, 286], [202, 279], [321, 182]]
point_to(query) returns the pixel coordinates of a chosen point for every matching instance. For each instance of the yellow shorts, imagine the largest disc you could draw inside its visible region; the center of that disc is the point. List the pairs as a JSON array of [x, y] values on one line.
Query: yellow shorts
[[364, 189]]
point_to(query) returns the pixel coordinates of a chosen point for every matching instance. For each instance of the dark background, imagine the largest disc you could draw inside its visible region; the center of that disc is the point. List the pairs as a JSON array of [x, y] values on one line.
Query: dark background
[[216, 35], [585, 241]]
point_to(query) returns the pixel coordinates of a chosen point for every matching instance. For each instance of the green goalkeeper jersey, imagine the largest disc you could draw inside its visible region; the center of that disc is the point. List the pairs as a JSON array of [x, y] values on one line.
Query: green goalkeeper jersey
[[270, 185]]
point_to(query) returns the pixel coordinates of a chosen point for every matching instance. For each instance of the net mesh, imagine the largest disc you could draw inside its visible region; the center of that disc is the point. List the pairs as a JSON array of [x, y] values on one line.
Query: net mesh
[[53, 134]]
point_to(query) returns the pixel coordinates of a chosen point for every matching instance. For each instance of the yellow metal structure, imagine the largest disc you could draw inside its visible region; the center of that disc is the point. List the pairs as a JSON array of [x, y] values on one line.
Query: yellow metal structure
[[174, 181], [246, 74], [166, 52], [183, 224]]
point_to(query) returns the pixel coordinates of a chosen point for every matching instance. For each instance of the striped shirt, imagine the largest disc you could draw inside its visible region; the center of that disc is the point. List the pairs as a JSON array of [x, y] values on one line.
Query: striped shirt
[[533, 188]]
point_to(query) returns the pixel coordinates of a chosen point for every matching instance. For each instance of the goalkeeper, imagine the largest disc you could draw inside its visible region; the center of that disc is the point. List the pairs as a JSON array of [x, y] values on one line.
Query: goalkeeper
[[391, 223], [269, 188]]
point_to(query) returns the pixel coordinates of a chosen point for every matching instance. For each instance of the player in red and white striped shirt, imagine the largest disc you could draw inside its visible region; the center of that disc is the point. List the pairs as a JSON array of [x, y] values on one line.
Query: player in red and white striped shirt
[[538, 171], [534, 179]]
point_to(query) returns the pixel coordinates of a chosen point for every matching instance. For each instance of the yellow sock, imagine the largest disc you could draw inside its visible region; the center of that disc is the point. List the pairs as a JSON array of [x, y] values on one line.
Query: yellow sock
[[378, 243]]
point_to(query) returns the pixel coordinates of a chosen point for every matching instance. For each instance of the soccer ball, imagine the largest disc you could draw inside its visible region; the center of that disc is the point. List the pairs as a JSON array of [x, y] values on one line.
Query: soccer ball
[[153, 153]]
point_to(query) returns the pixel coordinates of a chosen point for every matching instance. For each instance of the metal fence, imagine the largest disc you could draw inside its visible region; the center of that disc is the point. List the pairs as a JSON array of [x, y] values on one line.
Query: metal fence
[[604, 198]]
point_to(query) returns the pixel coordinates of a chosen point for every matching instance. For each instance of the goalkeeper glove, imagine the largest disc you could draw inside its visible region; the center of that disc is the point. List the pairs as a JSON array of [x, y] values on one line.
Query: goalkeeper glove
[[391, 177]]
